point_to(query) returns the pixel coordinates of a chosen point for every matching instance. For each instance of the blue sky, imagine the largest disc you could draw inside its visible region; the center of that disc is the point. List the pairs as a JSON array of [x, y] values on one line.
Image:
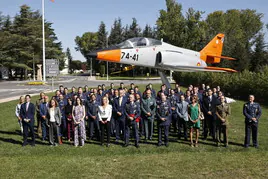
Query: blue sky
[[74, 17]]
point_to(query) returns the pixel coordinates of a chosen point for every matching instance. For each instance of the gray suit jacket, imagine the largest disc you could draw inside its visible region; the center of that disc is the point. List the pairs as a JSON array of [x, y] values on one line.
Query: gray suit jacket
[[182, 110], [57, 115]]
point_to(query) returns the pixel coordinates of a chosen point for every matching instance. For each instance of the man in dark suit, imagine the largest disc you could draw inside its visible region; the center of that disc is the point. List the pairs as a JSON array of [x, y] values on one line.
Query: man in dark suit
[[119, 109], [92, 117], [209, 107], [27, 116]]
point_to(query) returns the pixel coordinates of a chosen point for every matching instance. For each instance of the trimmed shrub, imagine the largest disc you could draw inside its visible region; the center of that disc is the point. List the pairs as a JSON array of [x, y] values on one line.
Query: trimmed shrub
[[236, 85]]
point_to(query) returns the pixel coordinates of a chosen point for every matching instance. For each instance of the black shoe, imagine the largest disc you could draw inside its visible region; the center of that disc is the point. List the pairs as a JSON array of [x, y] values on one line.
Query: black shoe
[[256, 146], [24, 144], [116, 141], [137, 145], [159, 144], [246, 146], [126, 145], [33, 144], [166, 144]]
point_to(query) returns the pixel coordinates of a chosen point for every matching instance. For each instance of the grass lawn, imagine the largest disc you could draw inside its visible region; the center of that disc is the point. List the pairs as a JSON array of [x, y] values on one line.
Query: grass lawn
[[179, 160]]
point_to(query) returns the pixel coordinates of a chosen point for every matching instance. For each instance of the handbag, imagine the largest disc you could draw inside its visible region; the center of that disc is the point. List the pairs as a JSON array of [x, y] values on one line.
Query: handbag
[[202, 116]]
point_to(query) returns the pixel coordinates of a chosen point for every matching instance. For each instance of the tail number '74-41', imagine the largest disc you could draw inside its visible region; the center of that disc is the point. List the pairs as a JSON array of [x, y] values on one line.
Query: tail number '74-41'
[[127, 56]]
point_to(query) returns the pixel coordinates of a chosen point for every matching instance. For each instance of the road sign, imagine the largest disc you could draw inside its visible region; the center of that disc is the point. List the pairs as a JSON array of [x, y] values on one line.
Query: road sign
[[52, 67]]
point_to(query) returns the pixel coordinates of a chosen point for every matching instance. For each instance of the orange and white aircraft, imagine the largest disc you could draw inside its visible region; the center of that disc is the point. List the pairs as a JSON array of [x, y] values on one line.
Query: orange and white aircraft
[[153, 53]]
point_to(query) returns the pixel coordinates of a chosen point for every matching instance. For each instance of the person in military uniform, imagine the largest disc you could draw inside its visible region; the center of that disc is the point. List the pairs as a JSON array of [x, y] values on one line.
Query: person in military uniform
[[132, 112], [222, 111], [38, 116], [148, 107], [173, 102], [252, 112], [163, 113], [92, 117]]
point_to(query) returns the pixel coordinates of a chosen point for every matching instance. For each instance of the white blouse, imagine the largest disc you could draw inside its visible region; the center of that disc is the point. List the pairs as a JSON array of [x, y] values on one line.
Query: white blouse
[[52, 115], [17, 111], [105, 113]]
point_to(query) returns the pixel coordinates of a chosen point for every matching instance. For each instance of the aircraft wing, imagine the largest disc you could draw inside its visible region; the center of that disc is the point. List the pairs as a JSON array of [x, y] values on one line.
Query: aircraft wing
[[197, 68]]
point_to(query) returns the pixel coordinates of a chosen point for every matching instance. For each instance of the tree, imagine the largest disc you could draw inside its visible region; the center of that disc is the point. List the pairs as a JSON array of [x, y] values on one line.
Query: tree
[[102, 36], [240, 28], [116, 33], [195, 30], [87, 43], [259, 56], [22, 40], [133, 31], [149, 32], [70, 60], [171, 24]]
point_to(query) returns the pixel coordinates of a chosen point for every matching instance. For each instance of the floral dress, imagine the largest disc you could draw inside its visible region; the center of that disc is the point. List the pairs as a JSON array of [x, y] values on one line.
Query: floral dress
[[79, 130]]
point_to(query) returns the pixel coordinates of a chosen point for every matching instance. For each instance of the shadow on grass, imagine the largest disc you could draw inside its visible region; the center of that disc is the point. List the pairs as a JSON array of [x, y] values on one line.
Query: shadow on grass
[[16, 132], [10, 140]]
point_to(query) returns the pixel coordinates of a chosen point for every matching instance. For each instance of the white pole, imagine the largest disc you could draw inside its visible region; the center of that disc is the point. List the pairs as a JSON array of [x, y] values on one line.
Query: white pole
[[33, 68], [107, 61], [107, 70], [44, 51]]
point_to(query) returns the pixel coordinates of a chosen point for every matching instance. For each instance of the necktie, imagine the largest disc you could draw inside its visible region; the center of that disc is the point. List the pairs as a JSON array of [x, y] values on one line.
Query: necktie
[[27, 106]]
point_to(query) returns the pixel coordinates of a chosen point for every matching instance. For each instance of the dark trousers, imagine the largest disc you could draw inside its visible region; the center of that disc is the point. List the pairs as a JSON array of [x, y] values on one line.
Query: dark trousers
[[166, 131], [113, 128], [174, 117], [221, 129], [44, 128], [210, 125], [120, 126], [134, 126], [62, 131], [182, 125], [141, 127], [149, 128], [105, 127], [53, 133], [251, 127], [94, 125], [26, 127], [70, 129]]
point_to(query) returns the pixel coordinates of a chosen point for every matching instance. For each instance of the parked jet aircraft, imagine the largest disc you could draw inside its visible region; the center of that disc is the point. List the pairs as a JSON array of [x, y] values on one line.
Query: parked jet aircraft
[[153, 53]]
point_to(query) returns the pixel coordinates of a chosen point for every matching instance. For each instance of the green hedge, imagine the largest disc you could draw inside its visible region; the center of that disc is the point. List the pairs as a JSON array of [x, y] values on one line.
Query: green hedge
[[236, 85]]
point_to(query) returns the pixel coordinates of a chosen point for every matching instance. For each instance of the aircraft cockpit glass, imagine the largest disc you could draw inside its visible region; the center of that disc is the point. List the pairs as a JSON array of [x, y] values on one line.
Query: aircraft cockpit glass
[[139, 42]]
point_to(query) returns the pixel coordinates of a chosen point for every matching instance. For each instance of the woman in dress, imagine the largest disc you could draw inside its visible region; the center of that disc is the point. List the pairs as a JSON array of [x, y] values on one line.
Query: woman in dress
[[69, 119], [17, 112], [79, 123], [194, 119], [54, 122], [105, 114]]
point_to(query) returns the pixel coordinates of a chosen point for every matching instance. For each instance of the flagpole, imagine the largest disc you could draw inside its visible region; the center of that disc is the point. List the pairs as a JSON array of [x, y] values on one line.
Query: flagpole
[[43, 30]]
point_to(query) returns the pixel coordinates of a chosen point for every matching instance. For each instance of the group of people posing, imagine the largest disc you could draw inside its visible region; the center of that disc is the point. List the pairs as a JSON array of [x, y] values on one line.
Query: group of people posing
[[125, 113]]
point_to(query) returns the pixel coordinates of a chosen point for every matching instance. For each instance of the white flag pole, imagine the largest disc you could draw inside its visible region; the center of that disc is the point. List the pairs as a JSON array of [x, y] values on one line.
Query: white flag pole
[[44, 51]]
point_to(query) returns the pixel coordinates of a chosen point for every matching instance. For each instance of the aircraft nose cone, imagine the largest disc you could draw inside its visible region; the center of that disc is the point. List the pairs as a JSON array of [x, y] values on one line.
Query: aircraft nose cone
[[93, 54]]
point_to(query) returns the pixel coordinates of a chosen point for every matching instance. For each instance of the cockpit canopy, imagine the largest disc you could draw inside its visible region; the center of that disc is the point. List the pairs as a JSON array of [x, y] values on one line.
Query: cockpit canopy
[[139, 42]]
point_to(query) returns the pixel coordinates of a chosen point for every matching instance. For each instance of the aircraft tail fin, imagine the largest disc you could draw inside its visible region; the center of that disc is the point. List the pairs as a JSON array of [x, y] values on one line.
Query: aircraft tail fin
[[212, 51]]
